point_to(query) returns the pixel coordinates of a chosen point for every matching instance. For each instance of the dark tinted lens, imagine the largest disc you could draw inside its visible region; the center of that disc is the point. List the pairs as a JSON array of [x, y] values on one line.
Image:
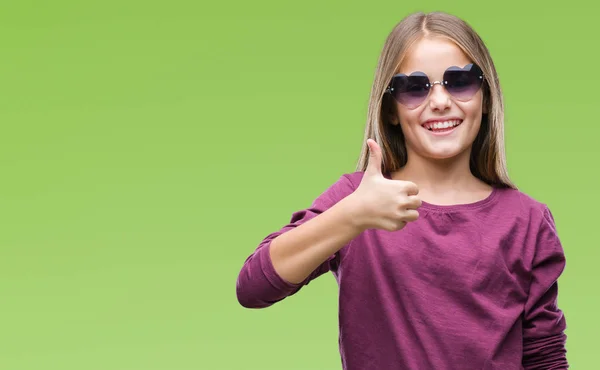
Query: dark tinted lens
[[463, 83], [410, 90]]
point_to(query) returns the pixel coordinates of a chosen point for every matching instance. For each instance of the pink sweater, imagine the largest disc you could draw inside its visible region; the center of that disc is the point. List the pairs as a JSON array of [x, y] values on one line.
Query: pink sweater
[[470, 286]]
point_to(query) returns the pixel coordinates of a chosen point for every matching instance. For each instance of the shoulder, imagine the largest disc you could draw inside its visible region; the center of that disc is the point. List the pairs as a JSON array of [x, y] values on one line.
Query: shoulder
[[523, 206], [529, 221], [353, 178], [345, 185], [348, 181]]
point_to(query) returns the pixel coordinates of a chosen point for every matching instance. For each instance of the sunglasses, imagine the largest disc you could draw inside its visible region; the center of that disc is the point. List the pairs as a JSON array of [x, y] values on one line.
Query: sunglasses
[[411, 91]]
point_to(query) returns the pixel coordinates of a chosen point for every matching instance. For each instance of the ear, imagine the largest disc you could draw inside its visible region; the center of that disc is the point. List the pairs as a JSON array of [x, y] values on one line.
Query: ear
[[484, 104], [394, 119], [391, 112], [486, 99]]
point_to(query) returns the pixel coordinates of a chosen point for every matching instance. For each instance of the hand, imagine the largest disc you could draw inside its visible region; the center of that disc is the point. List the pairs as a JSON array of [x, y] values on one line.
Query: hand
[[381, 203]]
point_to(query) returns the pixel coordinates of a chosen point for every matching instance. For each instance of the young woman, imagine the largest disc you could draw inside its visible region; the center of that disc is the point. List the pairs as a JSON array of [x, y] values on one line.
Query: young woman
[[442, 263]]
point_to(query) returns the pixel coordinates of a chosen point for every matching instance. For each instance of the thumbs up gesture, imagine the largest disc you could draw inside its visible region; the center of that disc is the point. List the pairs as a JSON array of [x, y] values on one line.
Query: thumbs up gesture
[[383, 203]]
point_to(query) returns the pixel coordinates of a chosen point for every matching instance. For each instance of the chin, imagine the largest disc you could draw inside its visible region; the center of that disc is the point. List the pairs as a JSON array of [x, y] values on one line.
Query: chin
[[444, 154]]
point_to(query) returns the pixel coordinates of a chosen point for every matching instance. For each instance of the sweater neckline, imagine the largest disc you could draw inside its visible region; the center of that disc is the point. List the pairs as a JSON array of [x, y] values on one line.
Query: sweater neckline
[[458, 206]]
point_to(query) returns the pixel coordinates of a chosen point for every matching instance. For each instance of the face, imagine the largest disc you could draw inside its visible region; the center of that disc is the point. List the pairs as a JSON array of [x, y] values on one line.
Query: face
[[440, 124]]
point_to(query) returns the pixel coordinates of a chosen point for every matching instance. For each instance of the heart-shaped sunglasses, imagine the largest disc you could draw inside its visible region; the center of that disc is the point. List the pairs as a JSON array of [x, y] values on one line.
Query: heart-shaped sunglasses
[[412, 90]]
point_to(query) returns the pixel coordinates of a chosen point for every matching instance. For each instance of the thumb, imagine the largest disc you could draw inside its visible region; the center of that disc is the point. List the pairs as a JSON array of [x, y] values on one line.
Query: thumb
[[374, 165]]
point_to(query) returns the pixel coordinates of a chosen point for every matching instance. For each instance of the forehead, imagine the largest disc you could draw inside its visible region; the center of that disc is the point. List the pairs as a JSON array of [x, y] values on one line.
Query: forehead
[[433, 56]]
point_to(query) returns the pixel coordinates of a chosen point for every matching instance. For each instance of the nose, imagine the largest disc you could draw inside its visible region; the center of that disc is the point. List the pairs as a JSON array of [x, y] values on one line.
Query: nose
[[439, 98]]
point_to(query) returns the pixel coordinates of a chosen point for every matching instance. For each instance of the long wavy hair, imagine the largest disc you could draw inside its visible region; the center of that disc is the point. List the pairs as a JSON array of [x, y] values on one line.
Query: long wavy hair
[[488, 159]]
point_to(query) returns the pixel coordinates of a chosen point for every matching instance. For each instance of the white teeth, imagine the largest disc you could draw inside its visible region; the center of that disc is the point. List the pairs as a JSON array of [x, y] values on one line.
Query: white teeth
[[442, 125]]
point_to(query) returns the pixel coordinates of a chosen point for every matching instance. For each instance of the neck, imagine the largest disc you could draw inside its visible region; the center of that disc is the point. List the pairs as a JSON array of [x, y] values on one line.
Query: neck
[[439, 175]]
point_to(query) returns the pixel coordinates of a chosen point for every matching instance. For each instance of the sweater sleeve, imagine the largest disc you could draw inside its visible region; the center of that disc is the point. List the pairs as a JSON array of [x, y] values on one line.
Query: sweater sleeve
[[258, 284], [544, 323]]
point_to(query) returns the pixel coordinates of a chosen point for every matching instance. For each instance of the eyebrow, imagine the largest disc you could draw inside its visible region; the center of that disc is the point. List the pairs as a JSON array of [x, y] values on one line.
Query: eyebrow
[[453, 65]]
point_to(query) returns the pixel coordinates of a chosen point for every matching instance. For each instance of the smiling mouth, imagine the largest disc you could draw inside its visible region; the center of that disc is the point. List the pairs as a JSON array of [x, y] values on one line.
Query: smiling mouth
[[442, 126]]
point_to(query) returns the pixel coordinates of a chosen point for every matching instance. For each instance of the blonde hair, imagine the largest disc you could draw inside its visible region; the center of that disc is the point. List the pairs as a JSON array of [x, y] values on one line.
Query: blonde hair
[[488, 161]]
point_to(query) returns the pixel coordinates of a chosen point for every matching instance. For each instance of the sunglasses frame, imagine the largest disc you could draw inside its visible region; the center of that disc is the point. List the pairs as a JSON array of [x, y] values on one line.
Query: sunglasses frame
[[389, 89]]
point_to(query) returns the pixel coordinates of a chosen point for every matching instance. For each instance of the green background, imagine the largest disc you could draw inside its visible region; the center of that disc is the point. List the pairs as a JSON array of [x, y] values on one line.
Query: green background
[[147, 147]]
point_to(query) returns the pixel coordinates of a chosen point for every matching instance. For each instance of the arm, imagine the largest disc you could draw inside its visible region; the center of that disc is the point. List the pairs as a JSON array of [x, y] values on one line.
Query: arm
[[544, 323], [307, 247], [310, 245], [297, 253]]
